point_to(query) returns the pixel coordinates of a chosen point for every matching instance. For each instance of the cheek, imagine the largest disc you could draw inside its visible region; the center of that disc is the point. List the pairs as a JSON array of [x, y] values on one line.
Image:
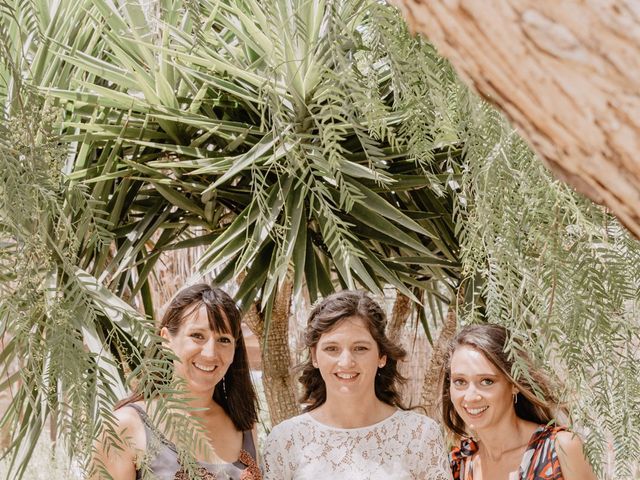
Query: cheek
[[455, 395]]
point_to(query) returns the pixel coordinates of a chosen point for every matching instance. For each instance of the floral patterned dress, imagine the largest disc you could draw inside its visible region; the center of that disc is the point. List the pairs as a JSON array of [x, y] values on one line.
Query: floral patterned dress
[[539, 462]]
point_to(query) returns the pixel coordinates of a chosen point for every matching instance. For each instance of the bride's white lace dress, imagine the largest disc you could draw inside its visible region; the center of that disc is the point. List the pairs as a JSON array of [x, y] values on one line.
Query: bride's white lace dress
[[404, 446]]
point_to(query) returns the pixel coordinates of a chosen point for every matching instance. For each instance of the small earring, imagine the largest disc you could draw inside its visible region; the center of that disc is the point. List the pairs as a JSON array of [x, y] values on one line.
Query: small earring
[[224, 388], [315, 365], [515, 398]]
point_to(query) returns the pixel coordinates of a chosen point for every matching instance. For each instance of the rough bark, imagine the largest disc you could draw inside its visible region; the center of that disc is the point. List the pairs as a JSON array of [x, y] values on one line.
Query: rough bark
[[565, 73], [255, 321], [431, 386], [399, 315], [276, 360]]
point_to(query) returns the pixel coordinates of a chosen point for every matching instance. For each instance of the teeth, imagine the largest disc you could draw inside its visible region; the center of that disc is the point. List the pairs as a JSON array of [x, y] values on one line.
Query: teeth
[[476, 411], [204, 367], [346, 376]]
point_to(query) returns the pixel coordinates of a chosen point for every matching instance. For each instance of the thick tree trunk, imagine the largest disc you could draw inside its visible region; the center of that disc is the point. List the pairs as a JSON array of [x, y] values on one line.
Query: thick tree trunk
[[431, 385], [276, 361], [566, 74]]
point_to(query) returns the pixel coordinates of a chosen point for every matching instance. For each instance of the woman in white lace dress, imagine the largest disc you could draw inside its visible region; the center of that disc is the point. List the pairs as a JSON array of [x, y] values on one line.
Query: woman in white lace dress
[[353, 427]]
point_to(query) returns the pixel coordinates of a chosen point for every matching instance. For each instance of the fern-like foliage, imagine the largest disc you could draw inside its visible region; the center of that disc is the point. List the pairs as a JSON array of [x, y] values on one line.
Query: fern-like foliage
[[562, 274]]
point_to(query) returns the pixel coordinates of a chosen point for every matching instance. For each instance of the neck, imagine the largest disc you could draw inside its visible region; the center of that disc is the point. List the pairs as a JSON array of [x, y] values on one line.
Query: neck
[[344, 412], [510, 434]]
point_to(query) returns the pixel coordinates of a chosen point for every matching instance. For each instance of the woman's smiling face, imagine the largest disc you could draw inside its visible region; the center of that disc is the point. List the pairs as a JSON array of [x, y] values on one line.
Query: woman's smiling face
[[205, 355], [348, 358], [481, 394]]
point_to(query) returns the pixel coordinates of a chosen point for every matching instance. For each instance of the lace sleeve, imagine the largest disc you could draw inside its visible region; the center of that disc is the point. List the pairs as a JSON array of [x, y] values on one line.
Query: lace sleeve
[[274, 456], [435, 462]]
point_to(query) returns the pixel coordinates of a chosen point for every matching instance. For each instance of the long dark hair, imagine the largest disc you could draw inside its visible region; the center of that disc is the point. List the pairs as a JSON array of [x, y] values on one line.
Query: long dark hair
[[491, 341], [325, 316], [236, 395]]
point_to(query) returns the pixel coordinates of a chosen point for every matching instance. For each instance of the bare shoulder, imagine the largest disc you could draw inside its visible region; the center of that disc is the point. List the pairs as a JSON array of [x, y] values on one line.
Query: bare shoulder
[[573, 463], [122, 440], [129, 428], [569, 442]]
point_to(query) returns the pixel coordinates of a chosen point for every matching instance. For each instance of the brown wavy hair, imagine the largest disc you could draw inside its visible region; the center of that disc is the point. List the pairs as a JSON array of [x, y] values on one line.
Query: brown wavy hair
[[491, 341], [329, 313], [238, 397]]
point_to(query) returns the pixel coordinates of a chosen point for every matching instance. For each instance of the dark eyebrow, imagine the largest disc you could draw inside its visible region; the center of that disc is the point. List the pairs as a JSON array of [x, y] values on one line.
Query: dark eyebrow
[[483, 375], [334, 342], [191, 328]]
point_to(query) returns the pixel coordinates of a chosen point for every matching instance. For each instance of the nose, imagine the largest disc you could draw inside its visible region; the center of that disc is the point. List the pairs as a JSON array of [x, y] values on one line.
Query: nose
[[345, 359], [472, 394], [209, 348]]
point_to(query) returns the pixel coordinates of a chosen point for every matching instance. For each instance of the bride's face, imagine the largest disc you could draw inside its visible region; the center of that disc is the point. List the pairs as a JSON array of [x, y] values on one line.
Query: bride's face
[[348, 358]]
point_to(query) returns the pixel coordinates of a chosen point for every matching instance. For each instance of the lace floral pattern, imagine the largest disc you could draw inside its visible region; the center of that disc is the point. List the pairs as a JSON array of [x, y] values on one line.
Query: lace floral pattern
[[405, 446]]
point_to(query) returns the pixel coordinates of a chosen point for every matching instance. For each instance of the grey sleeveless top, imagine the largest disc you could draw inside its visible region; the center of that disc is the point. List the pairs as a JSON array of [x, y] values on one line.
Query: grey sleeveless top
[[162, 463]]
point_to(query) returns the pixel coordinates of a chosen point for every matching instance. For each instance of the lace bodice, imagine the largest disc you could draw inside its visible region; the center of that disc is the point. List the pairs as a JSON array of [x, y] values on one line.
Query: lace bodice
[[404, 446]]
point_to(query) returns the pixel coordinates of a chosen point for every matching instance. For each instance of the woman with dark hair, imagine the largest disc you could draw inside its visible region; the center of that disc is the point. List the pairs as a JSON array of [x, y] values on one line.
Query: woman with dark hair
[[202, 328], [353, 426], [506, 424]]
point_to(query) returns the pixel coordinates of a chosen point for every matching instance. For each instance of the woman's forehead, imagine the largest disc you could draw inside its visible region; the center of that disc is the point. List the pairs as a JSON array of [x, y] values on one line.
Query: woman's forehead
[[200, 316], [349, 328], [466, 359]]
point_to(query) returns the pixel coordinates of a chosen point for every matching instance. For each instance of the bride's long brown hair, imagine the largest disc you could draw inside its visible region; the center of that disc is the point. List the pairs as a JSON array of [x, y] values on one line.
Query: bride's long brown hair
[[325, 316]]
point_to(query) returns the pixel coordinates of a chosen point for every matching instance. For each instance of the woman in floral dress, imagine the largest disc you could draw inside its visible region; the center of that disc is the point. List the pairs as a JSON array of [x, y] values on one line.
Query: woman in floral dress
[[508, 432]]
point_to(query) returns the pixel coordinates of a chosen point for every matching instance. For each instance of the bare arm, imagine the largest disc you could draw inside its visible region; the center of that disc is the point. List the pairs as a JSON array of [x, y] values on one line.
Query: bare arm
[[572, 461], [116, 451]]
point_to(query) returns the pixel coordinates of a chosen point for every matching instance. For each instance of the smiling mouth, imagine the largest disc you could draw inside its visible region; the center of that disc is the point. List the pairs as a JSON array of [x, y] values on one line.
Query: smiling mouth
[[205, 368], [346, 376], [475, 411]]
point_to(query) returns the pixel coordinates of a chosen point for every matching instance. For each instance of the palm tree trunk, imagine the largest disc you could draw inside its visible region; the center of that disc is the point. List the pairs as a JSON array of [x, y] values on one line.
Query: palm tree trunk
[[276, 360], [399, 316], [430, 387], [565, 73]]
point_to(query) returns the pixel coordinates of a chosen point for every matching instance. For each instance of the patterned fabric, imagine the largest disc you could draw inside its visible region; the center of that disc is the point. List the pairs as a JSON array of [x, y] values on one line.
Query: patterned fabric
[[539, 462], [161, 460], [404, 446]]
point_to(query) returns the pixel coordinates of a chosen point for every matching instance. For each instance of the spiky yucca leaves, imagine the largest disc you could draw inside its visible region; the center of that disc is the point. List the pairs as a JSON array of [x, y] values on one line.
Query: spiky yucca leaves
[[327, 194], [562, 274], [275, 130]]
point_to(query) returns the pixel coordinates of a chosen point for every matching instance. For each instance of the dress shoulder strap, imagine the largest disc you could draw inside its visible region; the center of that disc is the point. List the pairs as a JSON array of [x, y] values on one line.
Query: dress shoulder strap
[[150, 429], [540, 459], [247, 443]]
